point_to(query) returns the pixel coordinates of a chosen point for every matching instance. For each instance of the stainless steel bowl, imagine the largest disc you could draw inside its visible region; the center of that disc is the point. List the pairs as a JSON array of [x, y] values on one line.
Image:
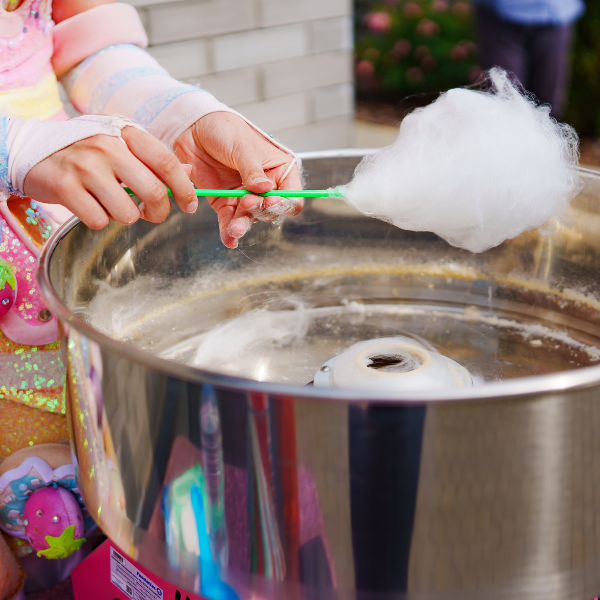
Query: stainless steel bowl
[[486, 492]]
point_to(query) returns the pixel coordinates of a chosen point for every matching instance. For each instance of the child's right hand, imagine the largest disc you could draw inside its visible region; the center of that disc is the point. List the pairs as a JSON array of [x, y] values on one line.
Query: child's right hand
[[86, 177]]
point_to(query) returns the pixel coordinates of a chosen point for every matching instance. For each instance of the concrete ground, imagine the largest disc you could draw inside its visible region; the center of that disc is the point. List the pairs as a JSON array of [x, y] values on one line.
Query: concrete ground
[[373, 135]]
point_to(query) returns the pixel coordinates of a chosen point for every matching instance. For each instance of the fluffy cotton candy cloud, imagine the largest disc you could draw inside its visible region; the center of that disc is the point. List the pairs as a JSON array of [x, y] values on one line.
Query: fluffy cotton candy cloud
[[474, 167]]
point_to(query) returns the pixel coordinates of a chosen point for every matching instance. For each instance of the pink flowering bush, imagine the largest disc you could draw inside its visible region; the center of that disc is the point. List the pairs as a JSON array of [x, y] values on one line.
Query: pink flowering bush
[[378, 21], [410, 46]]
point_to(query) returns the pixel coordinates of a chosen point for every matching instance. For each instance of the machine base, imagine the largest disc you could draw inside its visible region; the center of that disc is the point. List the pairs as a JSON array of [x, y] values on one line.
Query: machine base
[[108, 574]]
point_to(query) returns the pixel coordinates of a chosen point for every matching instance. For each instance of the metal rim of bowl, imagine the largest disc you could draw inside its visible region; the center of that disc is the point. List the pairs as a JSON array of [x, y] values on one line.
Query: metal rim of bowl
[[535, 385]]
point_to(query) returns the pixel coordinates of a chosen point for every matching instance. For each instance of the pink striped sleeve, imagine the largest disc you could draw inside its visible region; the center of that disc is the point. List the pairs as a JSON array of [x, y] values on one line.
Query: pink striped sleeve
[[93, 30]]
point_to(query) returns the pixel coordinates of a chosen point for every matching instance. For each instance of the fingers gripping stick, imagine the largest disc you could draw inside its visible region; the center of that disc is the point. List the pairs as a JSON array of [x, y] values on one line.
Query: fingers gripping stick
[[29, 142]]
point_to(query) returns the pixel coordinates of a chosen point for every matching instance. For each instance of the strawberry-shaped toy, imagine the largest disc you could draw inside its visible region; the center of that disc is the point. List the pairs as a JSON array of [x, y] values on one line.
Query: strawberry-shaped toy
[[40, 502], [53, 522]]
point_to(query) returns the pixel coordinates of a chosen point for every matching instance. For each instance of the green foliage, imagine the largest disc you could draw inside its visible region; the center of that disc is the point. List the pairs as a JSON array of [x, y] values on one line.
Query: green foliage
[[583, 110], [405, 47]]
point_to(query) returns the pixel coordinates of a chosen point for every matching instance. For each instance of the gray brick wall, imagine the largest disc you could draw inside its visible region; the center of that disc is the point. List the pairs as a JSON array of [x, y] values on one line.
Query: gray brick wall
[[284, 64]]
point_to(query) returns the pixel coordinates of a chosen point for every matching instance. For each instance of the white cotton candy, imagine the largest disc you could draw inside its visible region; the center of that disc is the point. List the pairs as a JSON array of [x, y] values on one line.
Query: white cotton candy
[[236, 346], [285, 207], [476, 168]]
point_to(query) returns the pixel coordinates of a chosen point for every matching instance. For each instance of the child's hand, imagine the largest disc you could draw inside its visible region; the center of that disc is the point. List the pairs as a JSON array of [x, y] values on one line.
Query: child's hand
[[226, 153], [86, 178]]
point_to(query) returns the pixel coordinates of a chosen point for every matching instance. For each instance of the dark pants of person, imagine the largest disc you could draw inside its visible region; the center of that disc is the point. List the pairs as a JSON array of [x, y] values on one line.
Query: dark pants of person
[[537, 55]]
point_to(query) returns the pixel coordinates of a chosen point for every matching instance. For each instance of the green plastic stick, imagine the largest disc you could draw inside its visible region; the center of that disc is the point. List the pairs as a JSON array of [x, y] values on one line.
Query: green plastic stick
[[330, 193]]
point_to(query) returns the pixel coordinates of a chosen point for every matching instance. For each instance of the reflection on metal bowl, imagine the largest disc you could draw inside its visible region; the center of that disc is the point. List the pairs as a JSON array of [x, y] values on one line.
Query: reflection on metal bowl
[[188, 439]]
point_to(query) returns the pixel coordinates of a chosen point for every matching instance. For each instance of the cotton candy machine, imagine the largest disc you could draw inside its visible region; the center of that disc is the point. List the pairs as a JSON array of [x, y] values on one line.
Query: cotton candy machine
[[338, 409]]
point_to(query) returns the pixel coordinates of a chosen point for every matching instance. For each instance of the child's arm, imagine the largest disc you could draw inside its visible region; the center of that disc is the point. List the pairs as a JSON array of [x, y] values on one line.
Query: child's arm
[[81, 164], [100, 59]]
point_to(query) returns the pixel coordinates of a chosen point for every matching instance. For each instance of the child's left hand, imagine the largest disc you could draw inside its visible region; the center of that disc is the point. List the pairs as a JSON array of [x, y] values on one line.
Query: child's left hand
[[226, 153]]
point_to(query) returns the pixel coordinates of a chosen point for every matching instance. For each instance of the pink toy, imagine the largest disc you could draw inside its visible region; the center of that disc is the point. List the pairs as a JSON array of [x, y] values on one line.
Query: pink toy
[[53, 522]]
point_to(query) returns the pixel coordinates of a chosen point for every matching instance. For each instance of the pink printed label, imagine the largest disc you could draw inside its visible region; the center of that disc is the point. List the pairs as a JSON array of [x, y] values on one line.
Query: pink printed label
[[109, 574]]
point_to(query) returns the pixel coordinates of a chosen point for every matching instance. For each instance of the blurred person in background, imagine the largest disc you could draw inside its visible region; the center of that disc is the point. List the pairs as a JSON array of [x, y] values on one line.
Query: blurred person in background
[[532, 39]]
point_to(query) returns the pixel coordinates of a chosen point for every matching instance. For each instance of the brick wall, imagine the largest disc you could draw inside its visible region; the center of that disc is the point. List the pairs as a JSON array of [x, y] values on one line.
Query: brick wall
[[285, 64]]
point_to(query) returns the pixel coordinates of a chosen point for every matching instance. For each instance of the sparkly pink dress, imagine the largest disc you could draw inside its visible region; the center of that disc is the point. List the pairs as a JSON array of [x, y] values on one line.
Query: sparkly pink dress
[[32, 399]]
